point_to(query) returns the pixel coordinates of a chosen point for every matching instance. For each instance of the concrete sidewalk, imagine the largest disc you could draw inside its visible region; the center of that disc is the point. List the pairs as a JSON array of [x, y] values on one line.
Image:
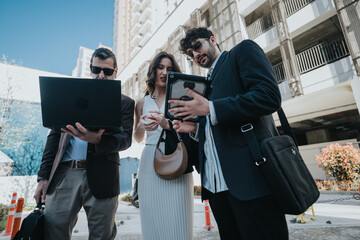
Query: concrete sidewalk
[[338, 220]]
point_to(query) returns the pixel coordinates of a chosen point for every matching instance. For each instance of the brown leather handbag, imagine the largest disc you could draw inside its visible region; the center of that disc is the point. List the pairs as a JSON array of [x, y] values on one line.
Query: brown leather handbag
[[170, 166]]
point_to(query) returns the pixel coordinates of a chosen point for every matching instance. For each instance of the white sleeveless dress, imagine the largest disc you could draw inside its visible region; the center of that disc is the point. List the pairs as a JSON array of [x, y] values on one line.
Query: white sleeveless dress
[[166, 206]]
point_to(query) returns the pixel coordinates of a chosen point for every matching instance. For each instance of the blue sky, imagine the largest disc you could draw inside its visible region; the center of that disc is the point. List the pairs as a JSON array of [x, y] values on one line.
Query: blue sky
[[47, 34]]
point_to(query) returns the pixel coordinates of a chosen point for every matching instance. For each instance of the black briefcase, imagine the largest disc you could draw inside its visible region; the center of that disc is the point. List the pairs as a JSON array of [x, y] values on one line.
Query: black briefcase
[[289, 179], [284, 169], [32, 225]]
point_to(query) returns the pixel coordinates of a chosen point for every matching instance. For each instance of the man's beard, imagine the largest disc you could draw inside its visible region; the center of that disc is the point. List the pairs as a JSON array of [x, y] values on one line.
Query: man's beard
[[210, 58]]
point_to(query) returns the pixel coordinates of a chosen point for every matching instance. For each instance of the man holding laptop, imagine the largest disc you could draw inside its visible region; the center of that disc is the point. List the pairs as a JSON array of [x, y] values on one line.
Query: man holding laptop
[[80, 168]]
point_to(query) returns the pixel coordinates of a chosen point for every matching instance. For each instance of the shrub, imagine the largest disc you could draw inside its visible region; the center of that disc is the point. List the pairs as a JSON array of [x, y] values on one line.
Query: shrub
[[3, 217], [340, 162], [125, 197], [332, 185], [197, 190]]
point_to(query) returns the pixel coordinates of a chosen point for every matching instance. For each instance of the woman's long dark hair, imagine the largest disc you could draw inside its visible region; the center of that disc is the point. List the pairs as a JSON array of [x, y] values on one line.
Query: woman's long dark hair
[[151, 74]]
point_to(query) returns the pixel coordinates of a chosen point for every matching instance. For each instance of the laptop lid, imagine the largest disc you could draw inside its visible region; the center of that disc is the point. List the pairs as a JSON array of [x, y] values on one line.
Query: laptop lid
[[94, 103]]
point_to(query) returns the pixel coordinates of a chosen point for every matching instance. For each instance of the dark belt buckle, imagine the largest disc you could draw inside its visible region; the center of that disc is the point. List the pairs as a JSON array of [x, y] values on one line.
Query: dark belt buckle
[[75, 165]]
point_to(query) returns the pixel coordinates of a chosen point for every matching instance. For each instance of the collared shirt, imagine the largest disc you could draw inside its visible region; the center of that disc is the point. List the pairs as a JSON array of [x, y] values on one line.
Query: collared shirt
[[213, 178], [76, 150]]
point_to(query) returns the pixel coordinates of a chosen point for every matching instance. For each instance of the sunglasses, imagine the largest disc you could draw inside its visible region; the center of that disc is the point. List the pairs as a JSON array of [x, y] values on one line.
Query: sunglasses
[[190, 52], [97, 70]]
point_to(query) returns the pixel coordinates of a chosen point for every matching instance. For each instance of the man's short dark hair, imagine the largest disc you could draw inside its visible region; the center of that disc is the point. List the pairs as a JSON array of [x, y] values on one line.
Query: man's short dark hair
[[103, 54], [193, 34]]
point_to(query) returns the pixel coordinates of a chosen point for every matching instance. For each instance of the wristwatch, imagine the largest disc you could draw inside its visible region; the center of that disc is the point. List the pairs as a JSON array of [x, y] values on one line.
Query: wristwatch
[[40, 178]]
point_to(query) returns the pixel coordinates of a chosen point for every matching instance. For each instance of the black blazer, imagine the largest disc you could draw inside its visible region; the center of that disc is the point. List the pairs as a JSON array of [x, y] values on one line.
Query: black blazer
[[244, 90], [102, 160]]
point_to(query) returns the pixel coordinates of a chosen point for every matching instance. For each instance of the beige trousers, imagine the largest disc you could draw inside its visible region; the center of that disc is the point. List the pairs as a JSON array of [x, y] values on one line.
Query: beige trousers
[[69, 192]]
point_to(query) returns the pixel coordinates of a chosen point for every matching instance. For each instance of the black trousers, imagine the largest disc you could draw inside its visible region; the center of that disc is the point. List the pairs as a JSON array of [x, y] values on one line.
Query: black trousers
[[257, 219]]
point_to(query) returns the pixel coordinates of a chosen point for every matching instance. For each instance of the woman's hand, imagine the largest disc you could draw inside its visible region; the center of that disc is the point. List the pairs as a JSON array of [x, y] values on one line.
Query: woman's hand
[[160, 119], [146, 124], [184, 127]]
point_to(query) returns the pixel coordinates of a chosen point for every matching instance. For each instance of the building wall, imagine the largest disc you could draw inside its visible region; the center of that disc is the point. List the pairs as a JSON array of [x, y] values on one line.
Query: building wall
[[82, 69], [311, 29], [22, 83], [122, 31]]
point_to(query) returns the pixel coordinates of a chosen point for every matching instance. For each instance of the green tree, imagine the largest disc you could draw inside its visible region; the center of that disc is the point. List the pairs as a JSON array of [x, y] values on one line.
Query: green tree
[[18, 119], [27, 158]]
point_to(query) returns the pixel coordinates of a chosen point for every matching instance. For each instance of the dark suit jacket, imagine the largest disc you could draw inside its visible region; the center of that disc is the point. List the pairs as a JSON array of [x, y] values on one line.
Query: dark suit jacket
[[244, 90], [102, 160]]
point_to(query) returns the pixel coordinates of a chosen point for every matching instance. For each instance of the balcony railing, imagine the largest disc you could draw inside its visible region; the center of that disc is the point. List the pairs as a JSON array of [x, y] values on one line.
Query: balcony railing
[[321, 54], [315, 57], [279, 72], [292, 6], [260, 26]]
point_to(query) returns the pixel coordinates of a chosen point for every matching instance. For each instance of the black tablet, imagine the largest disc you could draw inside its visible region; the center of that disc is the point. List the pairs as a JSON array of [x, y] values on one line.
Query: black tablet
[[175, 90]]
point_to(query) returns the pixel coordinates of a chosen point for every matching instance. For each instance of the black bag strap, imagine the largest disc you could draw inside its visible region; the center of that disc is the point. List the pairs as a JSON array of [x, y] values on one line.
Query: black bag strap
[[248, 130], [161, 137], [285, 125]]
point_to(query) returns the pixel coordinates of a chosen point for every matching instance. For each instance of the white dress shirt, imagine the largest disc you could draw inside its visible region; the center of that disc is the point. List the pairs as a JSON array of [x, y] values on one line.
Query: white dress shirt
[[213, 178]]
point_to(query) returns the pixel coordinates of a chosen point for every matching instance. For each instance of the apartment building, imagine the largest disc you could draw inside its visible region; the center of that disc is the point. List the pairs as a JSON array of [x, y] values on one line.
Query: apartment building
[[122, 32], [313, 45], [82, 69], [135, 21]]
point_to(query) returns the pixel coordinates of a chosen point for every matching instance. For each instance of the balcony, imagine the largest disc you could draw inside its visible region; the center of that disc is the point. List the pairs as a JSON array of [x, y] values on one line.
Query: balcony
[[321, 54], [145, 14], [260, 26], [323, 65], [304, 14], [135, 28], [279, 72], [292, 6], [134, 51], [144, 3], [145, 27], [135, 6], [135, 39], [145, 38], [135, 17]]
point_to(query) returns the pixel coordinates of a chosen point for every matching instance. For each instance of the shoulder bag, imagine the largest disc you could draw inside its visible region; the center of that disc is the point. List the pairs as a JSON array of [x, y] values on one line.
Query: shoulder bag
[[173, 165], [280, 161]]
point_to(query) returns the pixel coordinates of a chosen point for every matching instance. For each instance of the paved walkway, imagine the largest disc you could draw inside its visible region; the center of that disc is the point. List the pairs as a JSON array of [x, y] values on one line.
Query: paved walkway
[[335, 220]]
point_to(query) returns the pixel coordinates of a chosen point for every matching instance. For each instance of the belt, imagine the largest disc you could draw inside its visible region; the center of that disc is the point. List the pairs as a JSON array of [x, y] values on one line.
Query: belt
[[75, 164]]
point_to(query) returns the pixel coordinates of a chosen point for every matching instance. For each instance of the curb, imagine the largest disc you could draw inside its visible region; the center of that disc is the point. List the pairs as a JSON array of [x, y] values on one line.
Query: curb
[[338, 192]]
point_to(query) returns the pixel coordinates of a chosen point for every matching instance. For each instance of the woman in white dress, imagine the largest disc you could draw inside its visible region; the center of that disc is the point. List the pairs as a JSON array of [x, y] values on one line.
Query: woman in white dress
[[166, 206]]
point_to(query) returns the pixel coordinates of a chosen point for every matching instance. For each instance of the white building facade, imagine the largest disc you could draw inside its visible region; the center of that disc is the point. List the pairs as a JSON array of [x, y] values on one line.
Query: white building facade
[[313, 45]]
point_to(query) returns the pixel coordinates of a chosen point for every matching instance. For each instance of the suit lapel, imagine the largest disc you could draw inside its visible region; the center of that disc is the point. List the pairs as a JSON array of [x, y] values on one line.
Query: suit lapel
[[218, 64], [63, 143]]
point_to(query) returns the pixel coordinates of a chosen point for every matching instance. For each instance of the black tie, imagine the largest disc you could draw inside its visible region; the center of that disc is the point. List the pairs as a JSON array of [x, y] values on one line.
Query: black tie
[[210, 72]]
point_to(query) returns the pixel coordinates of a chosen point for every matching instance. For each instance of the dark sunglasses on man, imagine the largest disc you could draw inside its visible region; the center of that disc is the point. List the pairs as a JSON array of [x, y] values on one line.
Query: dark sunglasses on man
[[194, 48], [97, 70]]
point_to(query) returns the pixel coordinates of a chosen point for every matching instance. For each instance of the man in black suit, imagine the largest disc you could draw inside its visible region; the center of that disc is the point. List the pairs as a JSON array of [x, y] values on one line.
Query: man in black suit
[[80, 168], [244, 90]]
